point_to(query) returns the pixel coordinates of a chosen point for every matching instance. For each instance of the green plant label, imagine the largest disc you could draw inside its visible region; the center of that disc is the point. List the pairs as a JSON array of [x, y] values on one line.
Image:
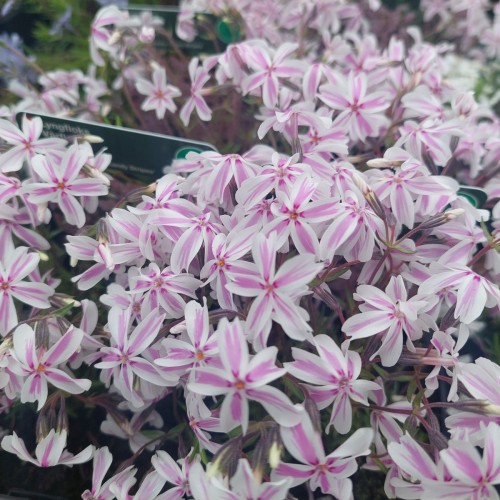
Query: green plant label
[[476, 196], [136, 155]]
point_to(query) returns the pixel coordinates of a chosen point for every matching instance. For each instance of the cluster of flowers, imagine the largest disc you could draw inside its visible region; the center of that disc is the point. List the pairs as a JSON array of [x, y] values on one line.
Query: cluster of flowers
[[332, 267]]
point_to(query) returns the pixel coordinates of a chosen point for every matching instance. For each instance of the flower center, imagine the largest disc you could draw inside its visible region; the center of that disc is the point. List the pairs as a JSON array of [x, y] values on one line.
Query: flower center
[[221, 262], [61, 185], [293, 216], [40, 368], [4, 285], [239, 384], [199, 355]]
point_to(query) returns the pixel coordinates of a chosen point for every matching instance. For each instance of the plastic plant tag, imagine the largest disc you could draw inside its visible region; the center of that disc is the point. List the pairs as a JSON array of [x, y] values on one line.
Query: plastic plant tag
[[476, 196], [214, 33], [136, 155]]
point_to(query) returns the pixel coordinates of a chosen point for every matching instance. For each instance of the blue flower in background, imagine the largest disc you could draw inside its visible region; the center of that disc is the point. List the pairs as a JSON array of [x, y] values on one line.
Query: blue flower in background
[[63, 23], [11, 64]]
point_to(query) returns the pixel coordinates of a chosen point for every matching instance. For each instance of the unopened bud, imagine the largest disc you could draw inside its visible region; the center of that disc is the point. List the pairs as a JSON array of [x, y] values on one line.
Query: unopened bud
[[370, 196], [383, 163], [440, 219]]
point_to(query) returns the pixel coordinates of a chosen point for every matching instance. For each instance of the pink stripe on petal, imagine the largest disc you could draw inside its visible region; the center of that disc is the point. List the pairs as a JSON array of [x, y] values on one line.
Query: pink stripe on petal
[[277, 404], [62, 350], [144, 333], [471, 299], [186, 248], [8, 315], [210, 382], [463, 462], [72, 210], [21, 263], [63, 381], [233, 348], [412, 459], [87, 187], [367, 324], [34, 294]]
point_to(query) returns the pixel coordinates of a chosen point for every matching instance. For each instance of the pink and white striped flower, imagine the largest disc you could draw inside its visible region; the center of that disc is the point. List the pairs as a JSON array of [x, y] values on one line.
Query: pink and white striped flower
[[227, 252], [160, 96], [276, 292], [13, 269], [61, 183], [26, 143], [41, 366], [295, 214], [163, 289], [102, 463], [359, 111], [199, 77], [330, 472], [352, 232], [389, 314], [200, 348], [335, 378], [279, 175], [269, 66], [49, 451], [473, 291], [123, 359], [242, 378]]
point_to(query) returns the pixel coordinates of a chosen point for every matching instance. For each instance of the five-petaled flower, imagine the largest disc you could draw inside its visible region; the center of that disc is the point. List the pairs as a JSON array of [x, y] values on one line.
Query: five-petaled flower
[[242, 378], [40, 366]]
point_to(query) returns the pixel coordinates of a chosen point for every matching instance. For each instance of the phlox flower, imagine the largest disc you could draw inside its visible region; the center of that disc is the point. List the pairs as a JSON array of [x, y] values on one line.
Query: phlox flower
[[200, 348], [431, 137], [12, 223], [26, 143], [335, 378], [99, 33], [198, 228], [295, 214], [242, 378], [244, 484], [49, 451], [359, 111], [414, 464], [173, 472], [212, 182], [163, 289], [61, 183], [102, 463], [352, 231], [41, 366], [481, 379], [473, 291], [132, 430], [202, 421], [279, 175], [13, 269], [275, 292], [330, 472], [159, 94], [269, 66], [227, 251], [475, 476], [123, 358], [390, 314], [403, 187], [199, 75]]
